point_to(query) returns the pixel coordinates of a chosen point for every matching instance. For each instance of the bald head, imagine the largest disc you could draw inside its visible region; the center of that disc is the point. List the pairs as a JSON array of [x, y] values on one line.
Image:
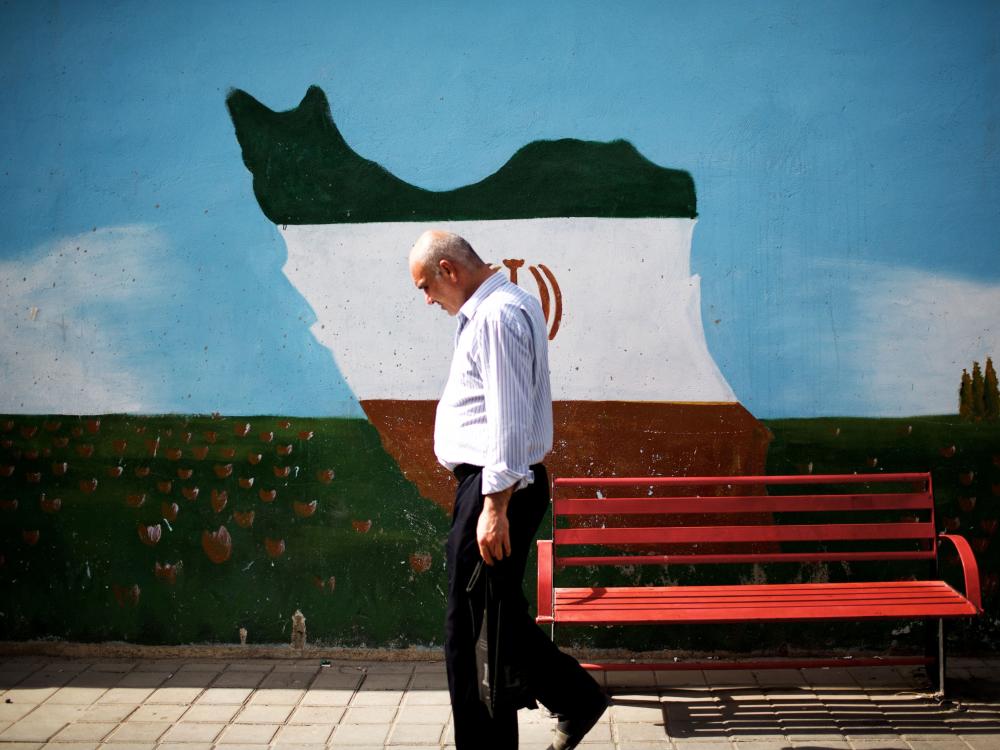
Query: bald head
[[436, 245], [446, 269]]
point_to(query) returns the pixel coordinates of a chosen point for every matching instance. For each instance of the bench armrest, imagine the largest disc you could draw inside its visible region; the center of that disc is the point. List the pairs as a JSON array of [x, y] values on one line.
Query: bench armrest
[[969, 568], [545, 565]]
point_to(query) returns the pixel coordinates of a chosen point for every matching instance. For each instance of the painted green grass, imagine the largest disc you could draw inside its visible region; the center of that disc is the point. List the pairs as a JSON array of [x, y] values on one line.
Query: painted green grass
[[355, 567]]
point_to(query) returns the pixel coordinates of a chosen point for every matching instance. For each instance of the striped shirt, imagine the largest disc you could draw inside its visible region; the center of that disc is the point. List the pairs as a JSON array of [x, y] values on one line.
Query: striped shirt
[[496, 409]]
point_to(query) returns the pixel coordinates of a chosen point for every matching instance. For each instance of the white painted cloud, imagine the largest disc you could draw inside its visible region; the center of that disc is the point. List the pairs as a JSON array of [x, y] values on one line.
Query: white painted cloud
[[66, 311], [915, 333]]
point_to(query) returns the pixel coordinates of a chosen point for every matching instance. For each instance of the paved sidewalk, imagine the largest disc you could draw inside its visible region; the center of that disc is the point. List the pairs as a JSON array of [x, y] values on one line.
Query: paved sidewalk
[[298, 704]]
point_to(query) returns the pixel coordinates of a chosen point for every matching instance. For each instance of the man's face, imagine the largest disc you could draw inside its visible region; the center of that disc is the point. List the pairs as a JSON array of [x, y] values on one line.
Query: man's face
[[439, 285]]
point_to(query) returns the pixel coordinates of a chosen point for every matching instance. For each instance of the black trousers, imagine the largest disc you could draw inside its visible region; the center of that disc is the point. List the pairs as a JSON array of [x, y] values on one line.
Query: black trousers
[[555, 679]]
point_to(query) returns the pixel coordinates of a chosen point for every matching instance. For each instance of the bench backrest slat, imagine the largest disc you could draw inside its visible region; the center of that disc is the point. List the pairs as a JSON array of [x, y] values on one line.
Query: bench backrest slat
[[729, 534], [740, 504], [776, 557]]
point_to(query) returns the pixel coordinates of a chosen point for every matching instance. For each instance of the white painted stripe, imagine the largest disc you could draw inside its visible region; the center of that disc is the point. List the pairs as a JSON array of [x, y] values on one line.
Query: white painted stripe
[[631, 328]]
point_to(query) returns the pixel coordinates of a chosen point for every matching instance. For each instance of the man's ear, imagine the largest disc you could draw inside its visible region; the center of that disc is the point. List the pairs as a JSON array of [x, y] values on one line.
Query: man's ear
[[448, 268]]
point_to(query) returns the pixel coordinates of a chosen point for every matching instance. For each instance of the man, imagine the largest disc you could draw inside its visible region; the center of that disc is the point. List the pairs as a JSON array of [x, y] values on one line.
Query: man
[[493, 428]]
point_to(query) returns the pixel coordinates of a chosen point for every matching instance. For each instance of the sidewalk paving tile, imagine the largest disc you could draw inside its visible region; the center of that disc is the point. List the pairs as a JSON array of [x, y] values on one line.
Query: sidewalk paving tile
[[369, 715], [316, 715], [377, 698], [14, 711], [416, 734], [113, 665], [327, 697], [211, 713], [77, 696], [125, 695], [263, 714], [276, 697], [439, 714], [139, 731], [223, 696], [304, 734], [184, 746], [109, 712], [359, 734], [259, 734], [194, 732], [83, 731], [239, 679], [70, 746], [154, 712], [428, 698], [27, 730]]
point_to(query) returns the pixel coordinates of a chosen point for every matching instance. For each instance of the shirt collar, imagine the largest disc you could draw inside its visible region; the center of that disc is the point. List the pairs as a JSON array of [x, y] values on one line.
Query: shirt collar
[[490, 285]]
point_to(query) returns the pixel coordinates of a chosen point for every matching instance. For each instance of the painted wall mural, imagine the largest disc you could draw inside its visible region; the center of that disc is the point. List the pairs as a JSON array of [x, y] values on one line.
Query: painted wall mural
[[764, 238]]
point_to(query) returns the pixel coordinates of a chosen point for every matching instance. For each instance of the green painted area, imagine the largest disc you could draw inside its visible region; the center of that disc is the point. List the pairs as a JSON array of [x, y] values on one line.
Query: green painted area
[[76, 581], [304, 172]]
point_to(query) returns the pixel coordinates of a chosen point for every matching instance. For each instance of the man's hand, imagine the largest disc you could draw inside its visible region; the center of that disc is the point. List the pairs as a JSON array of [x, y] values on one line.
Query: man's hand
[[493, 531]]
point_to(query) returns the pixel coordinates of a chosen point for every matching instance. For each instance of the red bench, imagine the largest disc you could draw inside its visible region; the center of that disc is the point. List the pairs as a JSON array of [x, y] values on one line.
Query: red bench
[[879, 518]]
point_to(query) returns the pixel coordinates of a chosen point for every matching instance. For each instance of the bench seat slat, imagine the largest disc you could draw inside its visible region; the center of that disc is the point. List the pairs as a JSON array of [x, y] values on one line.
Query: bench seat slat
[[748, 533], [760, 603], [751, 557], [743, 504]]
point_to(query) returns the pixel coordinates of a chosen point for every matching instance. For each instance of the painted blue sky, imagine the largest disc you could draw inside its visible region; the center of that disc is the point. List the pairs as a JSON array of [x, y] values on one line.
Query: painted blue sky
[[845, 156]]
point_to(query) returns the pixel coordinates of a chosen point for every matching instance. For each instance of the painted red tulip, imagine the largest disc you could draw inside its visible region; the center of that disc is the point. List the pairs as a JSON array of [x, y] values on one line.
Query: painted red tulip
[[28, 431], [223, 470], [190, 493], [242, 430], [243, 519], [966, 504], [966, 477], [218, 545], [246, 482], [980, 544], [169, 511], [114, 471], [948, 451], [8, 443], [152, 446], [149, 535], [60, 442], [85, 450], [52, 426], [267, 496], [140, 429], [59, 468], [9, 505], [127, 595], [989, 585], [31, 537], [304, 510], [420, 562], [284, 424], [362, 527], [6, 470], [325, 475], [274, 547], [989, 525], [200, 452], [227, 453], [952, 523], [174, 454], [8, 425], [33, 477], [168, 432], [47, 452], [31, 455], [282, 471], [219, 500], [254, 458], [211, 436], [135, 501], [142, 471], [266, 437], [284, 450], [872, 462], [93, 426], [186, 437], [167, 572], [184, 473], [306, 435], [164, 486], [50, 505]]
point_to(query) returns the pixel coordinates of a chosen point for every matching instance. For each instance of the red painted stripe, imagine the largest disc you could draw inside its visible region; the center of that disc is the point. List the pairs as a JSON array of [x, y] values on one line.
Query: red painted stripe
[[746, 504], [728, 534]]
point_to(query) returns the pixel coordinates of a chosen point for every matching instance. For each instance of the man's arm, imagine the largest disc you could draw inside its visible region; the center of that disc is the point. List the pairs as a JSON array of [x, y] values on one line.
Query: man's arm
[[493, 531]]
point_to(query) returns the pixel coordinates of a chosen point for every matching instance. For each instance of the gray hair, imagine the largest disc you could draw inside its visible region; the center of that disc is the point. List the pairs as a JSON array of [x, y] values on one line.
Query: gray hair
[[436, 245]]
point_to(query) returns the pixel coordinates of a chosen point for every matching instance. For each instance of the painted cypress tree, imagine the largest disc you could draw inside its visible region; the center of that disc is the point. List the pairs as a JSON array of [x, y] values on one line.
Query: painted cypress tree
[[965, 396], [978, 393], [991, 394]]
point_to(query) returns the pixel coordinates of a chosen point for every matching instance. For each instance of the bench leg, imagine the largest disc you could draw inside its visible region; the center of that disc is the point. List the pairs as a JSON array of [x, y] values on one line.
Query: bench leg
[[935, 651]]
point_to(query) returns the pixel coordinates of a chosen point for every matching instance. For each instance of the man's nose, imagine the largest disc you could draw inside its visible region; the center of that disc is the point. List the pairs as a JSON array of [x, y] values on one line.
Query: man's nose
[[428, 299]]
